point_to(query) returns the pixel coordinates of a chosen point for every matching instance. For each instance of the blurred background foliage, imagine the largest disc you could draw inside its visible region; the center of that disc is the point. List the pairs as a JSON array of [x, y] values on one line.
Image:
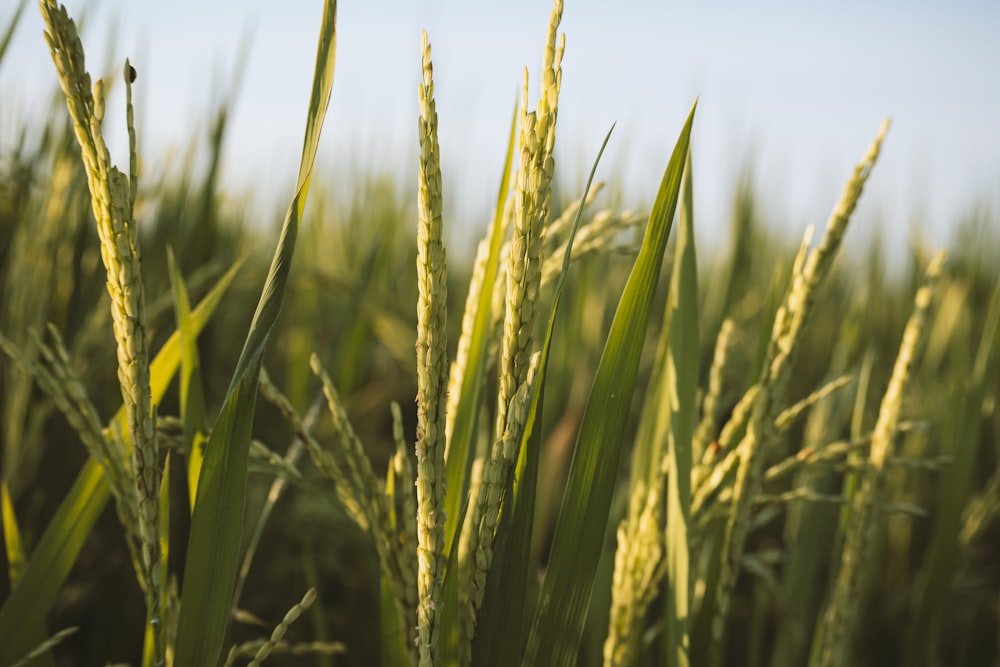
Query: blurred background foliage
[[351, 300]]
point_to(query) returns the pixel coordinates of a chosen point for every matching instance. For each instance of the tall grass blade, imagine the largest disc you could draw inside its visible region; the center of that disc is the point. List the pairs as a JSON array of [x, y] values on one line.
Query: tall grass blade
[[16, 560], [50, 563], [464, 426], [681, 391], [500, 637], [192, 393], [576, 547], [213, 550], [163, 367]]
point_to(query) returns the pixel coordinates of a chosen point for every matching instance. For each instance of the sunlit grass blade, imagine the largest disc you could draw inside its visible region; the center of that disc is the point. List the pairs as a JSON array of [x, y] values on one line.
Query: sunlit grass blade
[[710, 560], [576, 546], [661, 476], [24, 611], [466, 409], [192, 394], [213, 550], [681, 391], [16, 558], [168, 359], [808, 527], [500, 636], [163, 367]]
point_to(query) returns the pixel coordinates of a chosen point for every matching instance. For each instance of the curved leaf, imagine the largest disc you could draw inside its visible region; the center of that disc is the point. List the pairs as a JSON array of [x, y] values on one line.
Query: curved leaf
[[576, 547], [500, 635], [50, 563], [216, 523]]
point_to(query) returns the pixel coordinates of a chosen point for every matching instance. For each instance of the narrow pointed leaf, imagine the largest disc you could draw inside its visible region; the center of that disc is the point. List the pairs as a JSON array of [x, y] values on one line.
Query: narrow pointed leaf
[[192, 394], [217, 520], [11, 537], [163, 367], [16, 559], [25, 609], [681, 391], [559, 620], [460, 444], [500, 637]]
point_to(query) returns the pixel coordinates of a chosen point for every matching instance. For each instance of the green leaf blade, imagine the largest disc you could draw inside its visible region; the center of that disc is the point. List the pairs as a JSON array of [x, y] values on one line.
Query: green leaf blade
[[192, 394], [500, 637], [216, 528], [559, 621], [460, 443], [681, 393], [24, 611], [216, 523]]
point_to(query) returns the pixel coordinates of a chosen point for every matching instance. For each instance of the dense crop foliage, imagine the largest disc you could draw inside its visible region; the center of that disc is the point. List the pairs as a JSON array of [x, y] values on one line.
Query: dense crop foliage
[[585, 445]]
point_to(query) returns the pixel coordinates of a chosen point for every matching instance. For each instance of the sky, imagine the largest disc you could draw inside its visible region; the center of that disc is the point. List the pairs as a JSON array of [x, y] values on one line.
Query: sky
[[793, 91]]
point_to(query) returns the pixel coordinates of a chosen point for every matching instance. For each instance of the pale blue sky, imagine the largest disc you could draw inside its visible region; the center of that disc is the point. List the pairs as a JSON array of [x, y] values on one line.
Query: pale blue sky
[[798, 89]]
